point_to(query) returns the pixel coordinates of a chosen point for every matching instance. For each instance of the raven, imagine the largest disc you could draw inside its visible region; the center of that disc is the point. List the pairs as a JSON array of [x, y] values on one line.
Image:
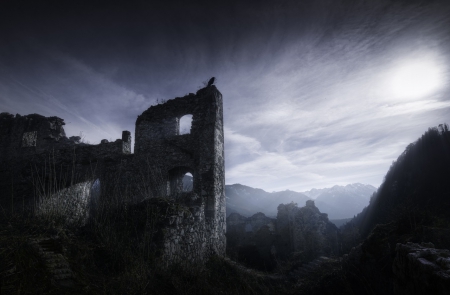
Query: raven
[[211, 81]]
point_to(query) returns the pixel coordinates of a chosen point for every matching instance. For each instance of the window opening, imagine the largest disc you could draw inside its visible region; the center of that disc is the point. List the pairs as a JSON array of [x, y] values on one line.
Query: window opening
[[188, 182], [185, 124]]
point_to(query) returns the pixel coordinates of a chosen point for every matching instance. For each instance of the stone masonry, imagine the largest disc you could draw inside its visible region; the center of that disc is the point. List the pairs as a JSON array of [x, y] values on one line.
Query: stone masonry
[[421, 269], [36, 155], [251, 240]]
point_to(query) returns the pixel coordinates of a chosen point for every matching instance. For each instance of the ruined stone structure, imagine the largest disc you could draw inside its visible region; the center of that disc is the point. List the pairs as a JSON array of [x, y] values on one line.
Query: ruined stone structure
[[36, 154], [421, 269], [251, 240], [303, 233], [388, 263]]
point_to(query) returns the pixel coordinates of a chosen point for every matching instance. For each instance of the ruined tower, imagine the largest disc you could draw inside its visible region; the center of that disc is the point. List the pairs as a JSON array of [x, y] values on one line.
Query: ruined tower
[[201, 152]]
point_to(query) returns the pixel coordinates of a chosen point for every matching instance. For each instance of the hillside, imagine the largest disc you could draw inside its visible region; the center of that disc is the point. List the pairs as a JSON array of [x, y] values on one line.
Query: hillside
[[397, 243], [407, 221], [416, 185]]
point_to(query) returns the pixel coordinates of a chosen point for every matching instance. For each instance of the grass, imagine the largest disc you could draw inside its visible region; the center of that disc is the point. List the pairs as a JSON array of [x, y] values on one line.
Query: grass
[[115, 250], [109, 265], [111, 252]]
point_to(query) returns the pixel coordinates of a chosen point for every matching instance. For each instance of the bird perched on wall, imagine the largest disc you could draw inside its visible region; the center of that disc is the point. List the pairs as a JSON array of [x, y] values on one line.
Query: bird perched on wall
[[211, 81]]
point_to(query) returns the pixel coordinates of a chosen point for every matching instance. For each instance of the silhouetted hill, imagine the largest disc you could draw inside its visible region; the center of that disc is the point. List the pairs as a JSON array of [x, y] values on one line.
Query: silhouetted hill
[[416, 188], [394, 245], [338, 202], [247, 201]]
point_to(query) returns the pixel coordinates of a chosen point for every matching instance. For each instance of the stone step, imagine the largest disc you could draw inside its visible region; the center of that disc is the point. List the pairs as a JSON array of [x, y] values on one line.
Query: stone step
[[54, 261]]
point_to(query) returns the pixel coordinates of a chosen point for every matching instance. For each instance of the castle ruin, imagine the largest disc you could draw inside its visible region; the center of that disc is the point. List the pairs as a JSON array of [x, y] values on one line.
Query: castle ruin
[[29, 144]]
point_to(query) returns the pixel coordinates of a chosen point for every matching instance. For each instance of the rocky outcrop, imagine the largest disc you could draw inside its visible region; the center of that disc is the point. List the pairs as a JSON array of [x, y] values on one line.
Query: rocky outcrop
[[305, 231], [387, 263], [251, 240], [421, 269]]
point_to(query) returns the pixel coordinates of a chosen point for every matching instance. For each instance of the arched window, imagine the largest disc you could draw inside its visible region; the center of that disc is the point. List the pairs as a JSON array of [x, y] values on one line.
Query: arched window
[[185, 124], [188, 182], [176, 183]]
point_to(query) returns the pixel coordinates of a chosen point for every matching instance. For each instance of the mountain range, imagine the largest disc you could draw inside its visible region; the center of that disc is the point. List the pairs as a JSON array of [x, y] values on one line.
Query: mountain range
[[339, 202]]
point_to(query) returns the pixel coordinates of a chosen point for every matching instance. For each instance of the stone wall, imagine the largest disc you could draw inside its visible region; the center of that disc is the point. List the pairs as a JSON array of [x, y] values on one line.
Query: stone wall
[[176, 232], [37, 158], [421, 269], [251, 240], [387, 263], [36, 154]]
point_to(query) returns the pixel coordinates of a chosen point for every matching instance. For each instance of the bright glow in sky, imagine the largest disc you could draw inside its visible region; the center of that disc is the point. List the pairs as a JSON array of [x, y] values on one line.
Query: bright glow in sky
[[416, 78], [316, 92]]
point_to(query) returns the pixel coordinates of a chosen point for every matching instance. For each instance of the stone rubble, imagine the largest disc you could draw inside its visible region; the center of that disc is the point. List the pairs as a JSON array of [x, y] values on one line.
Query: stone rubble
[[421, 269]]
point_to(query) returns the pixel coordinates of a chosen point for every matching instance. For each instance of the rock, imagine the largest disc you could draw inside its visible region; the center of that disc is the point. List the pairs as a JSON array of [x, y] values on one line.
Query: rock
[[305, 230], [421, 269]]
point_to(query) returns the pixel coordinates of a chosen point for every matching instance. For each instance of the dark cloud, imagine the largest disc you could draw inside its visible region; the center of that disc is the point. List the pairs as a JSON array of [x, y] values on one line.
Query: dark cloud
[[303, 81]]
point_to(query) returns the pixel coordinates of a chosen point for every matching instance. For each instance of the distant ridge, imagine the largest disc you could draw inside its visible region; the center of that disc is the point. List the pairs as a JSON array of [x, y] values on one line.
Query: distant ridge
[[339, 202], [247, 201]]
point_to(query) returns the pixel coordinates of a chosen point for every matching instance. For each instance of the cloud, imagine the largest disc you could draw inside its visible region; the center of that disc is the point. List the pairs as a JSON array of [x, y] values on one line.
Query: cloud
[[316, 166], [88, 101], [240, 148], [307, 101]]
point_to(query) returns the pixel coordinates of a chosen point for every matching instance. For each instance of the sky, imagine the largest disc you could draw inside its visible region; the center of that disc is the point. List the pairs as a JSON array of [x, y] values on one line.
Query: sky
[[316, 93]]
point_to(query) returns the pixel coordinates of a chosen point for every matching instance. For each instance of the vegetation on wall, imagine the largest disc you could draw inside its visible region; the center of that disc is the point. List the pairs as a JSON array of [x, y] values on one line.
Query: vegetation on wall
[[113, 251]]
